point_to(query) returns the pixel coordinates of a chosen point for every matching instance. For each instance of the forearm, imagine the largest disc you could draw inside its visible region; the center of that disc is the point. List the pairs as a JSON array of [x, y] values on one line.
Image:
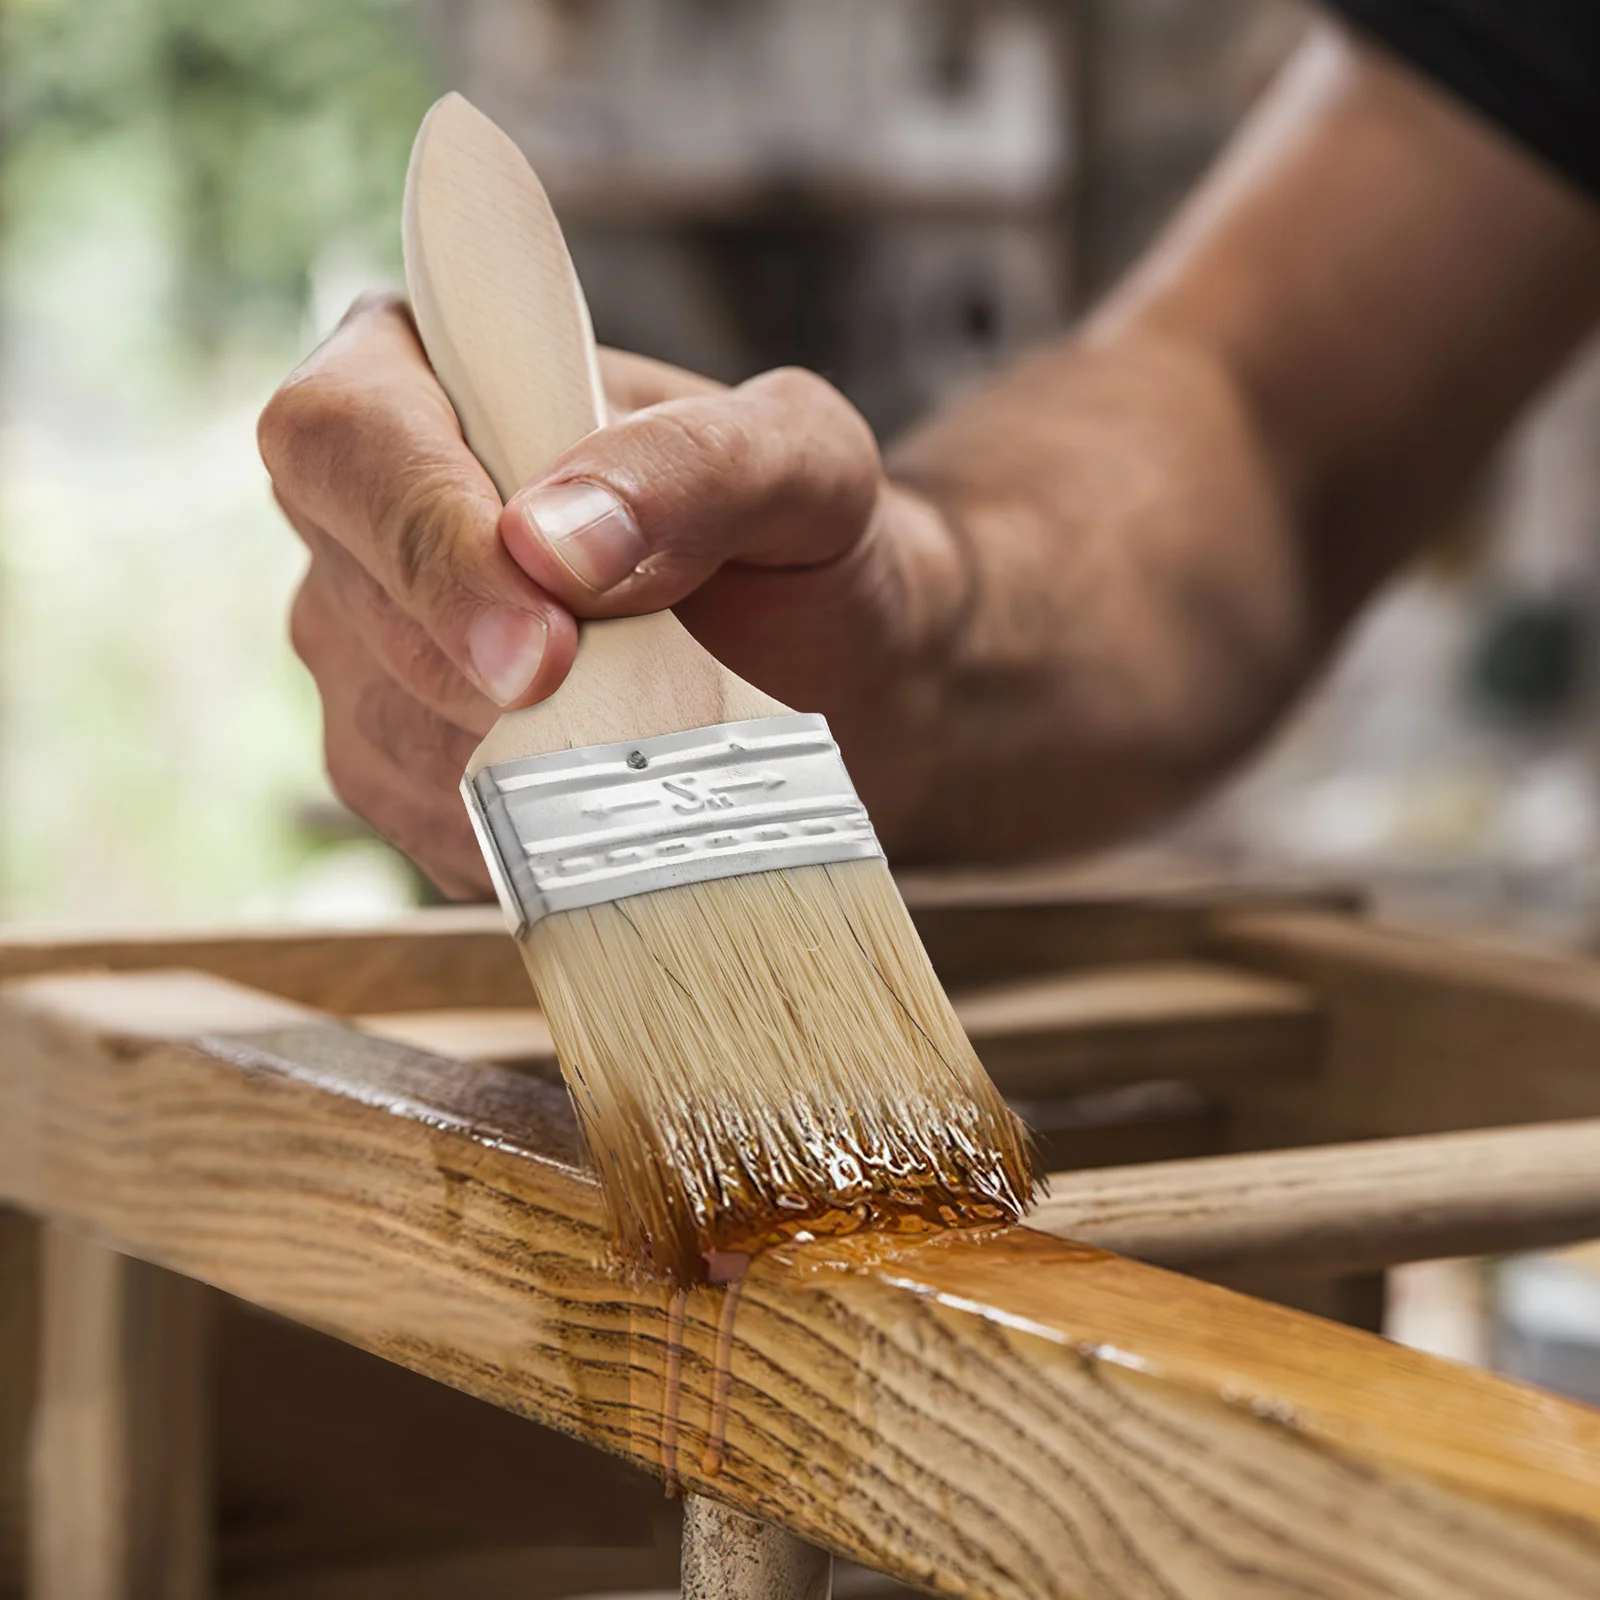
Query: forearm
[[1138, 610], [1169, 517]]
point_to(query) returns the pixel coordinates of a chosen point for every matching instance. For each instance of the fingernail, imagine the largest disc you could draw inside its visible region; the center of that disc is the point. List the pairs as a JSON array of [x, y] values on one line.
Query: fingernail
[[587, 529], [505, 648]]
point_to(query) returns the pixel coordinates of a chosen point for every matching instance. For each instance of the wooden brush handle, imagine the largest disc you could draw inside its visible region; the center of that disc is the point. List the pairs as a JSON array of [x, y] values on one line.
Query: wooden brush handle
[[504, 323]]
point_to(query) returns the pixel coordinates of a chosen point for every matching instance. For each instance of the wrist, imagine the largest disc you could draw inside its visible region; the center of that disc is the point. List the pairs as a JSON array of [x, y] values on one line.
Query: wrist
[[896, 730]]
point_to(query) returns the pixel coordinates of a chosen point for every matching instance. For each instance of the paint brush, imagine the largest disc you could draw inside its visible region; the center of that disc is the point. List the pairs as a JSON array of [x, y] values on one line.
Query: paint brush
[[754, 1040]]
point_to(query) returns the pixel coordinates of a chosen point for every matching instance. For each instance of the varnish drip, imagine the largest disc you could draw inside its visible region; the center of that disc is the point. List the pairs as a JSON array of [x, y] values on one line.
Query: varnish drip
[[673, 1391], [721, 1382]]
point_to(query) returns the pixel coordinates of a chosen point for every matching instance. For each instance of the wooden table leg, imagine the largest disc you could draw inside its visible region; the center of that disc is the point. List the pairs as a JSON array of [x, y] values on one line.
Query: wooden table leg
[[19, 1350], [120, 1502], [729, 1556]]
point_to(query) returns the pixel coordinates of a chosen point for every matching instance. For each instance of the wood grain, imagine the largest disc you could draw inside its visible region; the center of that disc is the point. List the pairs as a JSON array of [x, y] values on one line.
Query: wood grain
[[1342, 1208], [1000, 1415]]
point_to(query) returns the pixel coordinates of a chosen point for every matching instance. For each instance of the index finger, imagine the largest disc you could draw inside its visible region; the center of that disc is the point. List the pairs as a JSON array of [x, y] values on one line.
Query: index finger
[[363, 444]]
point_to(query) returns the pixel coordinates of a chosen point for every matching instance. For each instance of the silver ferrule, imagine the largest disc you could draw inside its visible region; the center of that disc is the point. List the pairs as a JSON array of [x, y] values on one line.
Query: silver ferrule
[[585, 827]]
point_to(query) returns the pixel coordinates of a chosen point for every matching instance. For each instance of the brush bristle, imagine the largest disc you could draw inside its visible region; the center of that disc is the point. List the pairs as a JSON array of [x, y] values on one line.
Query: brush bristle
[[770, 1055]]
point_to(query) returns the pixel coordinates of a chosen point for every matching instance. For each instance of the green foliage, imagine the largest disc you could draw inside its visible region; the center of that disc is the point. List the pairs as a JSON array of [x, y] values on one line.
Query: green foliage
[[178, 175], [269, 126]]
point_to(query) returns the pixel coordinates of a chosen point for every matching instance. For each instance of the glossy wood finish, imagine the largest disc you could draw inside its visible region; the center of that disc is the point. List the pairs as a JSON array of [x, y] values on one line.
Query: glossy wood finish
[[999, 1415]]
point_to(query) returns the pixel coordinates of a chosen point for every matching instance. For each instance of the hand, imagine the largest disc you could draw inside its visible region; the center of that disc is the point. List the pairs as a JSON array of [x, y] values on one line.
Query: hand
[[761, 513]]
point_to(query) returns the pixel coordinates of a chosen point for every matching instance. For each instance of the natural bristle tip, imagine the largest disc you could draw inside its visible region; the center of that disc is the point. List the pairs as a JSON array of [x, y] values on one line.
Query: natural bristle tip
[[768, 1057]]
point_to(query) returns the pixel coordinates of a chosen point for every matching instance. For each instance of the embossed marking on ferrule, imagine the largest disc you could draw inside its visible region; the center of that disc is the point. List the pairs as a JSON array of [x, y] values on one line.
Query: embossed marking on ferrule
[[584, 827]]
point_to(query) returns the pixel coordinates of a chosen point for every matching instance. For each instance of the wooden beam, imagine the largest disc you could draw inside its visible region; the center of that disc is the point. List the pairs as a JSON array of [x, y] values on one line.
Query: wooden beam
[[978, 929], [995, 927], [120, 1505], [504, 1035], [1039, 1038], [446, 957], [1420, 1034], [19, 1360], [1341, 1209], [988, 1415], [1117, 1025]]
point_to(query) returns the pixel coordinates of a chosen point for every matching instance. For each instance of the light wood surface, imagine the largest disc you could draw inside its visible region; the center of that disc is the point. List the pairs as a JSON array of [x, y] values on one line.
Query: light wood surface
[[454, 956], [507, 1035], [978, 929], [996, 1416], [1039, 1038], [1342, 1208], [506, 328], [120, 1498]]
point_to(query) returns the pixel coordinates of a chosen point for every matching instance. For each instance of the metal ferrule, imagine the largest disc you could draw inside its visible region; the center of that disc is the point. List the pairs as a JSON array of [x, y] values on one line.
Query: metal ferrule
[[585, 827]]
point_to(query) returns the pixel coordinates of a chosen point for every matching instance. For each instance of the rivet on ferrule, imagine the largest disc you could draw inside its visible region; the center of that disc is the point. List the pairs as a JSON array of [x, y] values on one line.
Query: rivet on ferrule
[[584, 827]]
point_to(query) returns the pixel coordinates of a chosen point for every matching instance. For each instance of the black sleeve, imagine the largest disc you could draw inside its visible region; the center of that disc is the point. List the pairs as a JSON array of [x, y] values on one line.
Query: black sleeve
[[1530, 66]]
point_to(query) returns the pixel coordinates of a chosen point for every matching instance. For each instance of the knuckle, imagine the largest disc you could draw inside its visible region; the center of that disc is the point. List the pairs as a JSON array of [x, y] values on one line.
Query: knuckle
[[350, 776], [417, 741], [418, 513], [376, 303], [306, 631], [819, 407], [800, 386], [709, 439], [311, 428]]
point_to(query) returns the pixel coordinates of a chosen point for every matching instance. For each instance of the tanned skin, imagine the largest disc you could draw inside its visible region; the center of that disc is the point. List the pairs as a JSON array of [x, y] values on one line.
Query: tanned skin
[[1058, 608]]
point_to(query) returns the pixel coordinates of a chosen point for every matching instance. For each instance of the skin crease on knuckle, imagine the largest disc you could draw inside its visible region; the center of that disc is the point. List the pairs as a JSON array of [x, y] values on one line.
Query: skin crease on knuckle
[[782, 472]]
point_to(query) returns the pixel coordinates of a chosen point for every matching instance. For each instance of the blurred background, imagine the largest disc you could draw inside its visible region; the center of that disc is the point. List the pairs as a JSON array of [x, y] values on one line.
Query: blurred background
[[898, 194]]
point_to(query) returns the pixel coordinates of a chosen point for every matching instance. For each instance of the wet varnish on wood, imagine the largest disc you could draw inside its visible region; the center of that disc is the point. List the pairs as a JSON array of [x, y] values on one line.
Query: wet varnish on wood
[[1001, 1416]]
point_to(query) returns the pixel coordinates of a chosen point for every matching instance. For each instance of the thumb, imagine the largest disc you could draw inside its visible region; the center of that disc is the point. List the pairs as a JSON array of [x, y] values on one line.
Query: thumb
[[781, 472]]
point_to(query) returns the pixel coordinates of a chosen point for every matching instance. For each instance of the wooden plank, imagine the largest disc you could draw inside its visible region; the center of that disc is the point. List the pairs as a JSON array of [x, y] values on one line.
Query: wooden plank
[[1145, 1120], [1096, 1029], [979, 928], [19, 1355], [1158, 1121], [996, 927], [452, 956], [997, 1415], [1420, 1035], [1038, 1038], [1341, 1209], [505, 1035], [120, 1504]]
